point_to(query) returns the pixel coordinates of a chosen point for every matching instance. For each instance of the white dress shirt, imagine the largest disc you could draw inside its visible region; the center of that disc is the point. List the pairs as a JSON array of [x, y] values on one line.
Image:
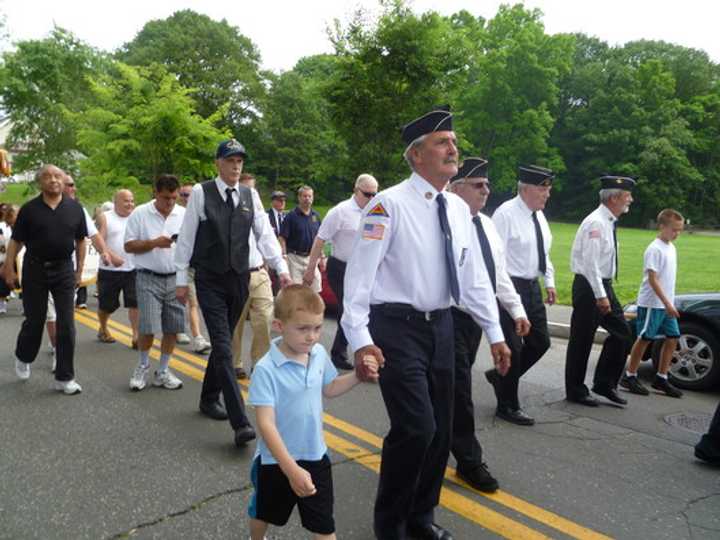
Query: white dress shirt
[[399, 257], [505, 290], [146, 223], [514, 223], [266, 241], [593, 250], [340, 228]]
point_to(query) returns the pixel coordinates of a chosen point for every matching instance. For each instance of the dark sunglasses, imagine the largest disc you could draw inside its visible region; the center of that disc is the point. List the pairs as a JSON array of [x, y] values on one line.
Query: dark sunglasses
[[69, 185], [184, 195], [478, 185], [368, 194]]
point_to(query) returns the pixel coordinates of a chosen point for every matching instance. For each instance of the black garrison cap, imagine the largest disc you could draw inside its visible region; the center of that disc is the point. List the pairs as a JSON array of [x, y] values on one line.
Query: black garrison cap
[[617, 182], [439, 119], [537, 176], [472, 167]]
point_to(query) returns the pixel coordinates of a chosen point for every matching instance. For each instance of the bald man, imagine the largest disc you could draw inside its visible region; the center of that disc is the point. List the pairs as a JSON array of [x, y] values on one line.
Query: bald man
[[118, 273]]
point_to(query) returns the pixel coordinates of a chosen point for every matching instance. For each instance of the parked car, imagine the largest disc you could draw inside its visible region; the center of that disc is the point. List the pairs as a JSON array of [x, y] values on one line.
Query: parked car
[[696, 361]]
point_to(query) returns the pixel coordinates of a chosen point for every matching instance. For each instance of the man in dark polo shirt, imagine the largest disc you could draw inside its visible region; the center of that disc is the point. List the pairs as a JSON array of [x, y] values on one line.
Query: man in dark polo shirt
[[297, 234], [51, 226]]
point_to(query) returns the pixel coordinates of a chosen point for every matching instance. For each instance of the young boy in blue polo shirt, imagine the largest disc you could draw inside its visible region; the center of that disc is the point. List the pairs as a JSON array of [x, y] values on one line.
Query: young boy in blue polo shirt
[[291, 466], [656, 312]]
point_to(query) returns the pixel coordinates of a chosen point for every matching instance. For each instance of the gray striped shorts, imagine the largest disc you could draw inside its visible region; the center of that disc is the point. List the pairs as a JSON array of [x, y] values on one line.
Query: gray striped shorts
[[159, 309]]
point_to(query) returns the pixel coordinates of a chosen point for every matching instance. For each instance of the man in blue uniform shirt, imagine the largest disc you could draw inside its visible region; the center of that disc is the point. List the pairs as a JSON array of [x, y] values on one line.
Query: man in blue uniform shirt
[[410, 262]]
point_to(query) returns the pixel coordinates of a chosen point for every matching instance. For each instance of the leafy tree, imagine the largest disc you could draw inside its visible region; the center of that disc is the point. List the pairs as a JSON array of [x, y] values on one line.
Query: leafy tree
[[213, 58], [143, 123], [40, 82]]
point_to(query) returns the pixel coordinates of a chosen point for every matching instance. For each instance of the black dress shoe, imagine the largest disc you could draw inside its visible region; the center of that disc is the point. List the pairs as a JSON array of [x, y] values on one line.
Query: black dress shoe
[[342, 363], [584, 400], [492, 376], [244, 435], [515, 416], [478, 477], [213, 409], [611, 394], [428, 532]]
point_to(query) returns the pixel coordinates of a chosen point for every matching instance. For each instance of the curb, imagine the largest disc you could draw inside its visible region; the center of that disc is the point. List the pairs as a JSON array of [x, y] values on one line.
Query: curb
[[562, 330]]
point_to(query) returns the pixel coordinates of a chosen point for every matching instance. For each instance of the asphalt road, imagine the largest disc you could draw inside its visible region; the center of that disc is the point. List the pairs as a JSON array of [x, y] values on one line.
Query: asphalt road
[[109, 463]]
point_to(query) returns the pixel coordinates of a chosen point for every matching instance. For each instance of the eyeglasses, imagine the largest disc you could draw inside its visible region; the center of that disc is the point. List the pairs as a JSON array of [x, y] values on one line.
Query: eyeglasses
[[368, 194], [478, 185], [69, 185], [184, 195]]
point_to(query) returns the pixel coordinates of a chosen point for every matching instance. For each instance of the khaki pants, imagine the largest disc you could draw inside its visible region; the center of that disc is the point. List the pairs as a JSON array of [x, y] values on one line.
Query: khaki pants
[[297, 264], [259, 308]]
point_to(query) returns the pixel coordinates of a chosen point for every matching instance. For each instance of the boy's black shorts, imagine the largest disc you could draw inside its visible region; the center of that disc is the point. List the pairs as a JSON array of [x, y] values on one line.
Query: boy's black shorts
[[273, 500], [109, 286]]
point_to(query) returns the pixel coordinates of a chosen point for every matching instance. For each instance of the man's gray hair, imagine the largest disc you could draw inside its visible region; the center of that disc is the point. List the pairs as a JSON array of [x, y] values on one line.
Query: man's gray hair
[[406, 154], [607, 194], [364, 179]]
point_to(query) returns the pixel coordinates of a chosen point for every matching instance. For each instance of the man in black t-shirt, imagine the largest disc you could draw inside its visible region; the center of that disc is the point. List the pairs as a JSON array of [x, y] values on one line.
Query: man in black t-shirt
[[51, 226]]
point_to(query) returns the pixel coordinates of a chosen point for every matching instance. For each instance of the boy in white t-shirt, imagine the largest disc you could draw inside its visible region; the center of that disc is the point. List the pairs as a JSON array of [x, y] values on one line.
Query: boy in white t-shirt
[[656, 313]]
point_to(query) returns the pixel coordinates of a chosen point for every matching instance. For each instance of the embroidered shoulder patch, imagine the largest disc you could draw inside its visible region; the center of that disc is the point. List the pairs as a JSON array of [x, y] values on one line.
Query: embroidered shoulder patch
[[378, 210], [595, 233], [373, 231]]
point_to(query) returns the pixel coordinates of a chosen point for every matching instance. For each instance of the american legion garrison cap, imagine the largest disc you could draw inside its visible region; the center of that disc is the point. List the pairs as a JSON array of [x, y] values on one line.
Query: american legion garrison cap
[[472, 167], [228, 148], [439, 119], [617, 182], [537, 176]]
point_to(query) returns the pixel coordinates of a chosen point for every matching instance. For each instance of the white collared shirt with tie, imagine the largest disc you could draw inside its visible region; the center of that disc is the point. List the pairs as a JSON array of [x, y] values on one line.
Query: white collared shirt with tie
[[593, 250], [399, 257], [267, 243], [514, 223]]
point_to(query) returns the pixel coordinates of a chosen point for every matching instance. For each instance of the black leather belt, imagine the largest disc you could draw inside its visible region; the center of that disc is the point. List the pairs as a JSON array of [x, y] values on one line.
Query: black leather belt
[[48, 263], [156, 274], [255, 269], [301, 253], [407, 312]]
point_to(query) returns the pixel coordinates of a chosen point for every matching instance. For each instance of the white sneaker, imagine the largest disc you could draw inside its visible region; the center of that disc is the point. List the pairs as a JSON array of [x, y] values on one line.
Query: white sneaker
[[138, 381], [183, 338], [22, 370], [167, 379], [54, 362], [201, 345], [3, 306], [51, 349], [69, 388]]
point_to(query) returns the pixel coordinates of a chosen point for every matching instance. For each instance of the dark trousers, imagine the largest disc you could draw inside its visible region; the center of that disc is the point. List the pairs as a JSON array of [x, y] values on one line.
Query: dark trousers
[[221, 298], [528, 350], [417, 388], [709, 443], [584, 322], [336, 279], [465, 446], [39, 280]]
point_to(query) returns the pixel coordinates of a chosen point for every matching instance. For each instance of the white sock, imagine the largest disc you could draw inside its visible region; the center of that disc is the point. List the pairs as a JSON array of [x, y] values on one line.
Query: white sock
[[662, 375], [164, 361], [144, 359], [630, 374]]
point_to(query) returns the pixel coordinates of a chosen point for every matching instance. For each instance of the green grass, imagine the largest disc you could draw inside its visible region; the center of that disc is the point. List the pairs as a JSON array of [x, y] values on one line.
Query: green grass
[[698, 261]]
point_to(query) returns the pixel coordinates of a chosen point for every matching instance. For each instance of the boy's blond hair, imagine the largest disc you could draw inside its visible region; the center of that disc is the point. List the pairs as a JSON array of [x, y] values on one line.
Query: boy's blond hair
[[294, 298], [666, 216]]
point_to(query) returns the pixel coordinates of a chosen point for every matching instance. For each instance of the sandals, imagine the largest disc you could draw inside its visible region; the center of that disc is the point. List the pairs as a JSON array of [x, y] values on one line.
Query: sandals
[[105, 337]]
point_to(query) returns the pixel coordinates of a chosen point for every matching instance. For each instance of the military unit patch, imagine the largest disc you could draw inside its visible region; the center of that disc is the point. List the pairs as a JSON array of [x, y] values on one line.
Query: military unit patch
[[373, 231], [378, 210]]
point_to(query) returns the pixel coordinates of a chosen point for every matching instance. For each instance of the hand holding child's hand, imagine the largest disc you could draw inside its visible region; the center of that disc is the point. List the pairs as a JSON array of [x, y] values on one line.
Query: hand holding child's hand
[[301, 482], [371, 368]]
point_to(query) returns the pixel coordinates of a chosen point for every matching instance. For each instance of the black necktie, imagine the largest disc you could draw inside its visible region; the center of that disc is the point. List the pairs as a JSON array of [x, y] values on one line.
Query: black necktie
[[231, 206], [486, 252], [617, 260], [540, 245], [449, 257], [229, 198]]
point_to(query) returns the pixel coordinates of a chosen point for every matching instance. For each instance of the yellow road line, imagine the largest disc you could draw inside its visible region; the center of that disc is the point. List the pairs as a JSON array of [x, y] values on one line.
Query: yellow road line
[[348, 449]]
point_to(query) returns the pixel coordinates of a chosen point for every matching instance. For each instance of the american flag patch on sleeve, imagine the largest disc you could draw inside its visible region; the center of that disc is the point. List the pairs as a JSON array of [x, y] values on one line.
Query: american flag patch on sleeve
[[595, 233], [373, 231]]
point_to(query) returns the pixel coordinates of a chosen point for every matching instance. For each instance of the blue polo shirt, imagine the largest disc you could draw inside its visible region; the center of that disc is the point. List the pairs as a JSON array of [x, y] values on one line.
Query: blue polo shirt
[[299, 230], [295, 392]]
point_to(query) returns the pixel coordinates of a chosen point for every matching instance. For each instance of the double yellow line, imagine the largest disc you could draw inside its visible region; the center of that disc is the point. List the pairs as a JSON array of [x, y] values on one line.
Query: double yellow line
[[451, 498]]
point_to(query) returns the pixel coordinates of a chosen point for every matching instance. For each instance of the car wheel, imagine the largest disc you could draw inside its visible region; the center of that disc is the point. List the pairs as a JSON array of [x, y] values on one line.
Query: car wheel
[[696, 360]]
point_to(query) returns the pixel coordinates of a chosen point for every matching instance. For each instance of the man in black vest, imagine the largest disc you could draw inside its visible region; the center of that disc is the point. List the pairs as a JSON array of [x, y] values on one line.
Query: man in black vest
[[214, 241]]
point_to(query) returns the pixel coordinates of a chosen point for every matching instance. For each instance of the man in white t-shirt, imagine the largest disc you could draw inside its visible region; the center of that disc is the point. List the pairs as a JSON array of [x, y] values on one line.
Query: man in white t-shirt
[[656, 313]]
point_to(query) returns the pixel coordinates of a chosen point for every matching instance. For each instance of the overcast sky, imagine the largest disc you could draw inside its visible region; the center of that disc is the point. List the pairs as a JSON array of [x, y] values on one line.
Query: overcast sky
[[285, 31]]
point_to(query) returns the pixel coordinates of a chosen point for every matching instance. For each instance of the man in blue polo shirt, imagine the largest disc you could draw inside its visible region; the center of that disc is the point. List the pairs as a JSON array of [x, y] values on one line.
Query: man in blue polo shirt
[[297, 234]]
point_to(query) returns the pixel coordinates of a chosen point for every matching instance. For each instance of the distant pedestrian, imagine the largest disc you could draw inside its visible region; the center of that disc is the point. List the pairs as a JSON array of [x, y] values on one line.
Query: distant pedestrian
[[340, 228], [297, 234], [527, 241], [594, 260], [291, 466], [277, 212], [150, 235], [51, 226], [657, 317]]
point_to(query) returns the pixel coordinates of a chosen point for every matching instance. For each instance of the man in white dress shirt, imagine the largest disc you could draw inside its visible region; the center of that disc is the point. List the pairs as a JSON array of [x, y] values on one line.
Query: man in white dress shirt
[[411, 261], [472, 185], [594, 261], [214, 240], [150, 235], [526, 237], [340, 228]]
